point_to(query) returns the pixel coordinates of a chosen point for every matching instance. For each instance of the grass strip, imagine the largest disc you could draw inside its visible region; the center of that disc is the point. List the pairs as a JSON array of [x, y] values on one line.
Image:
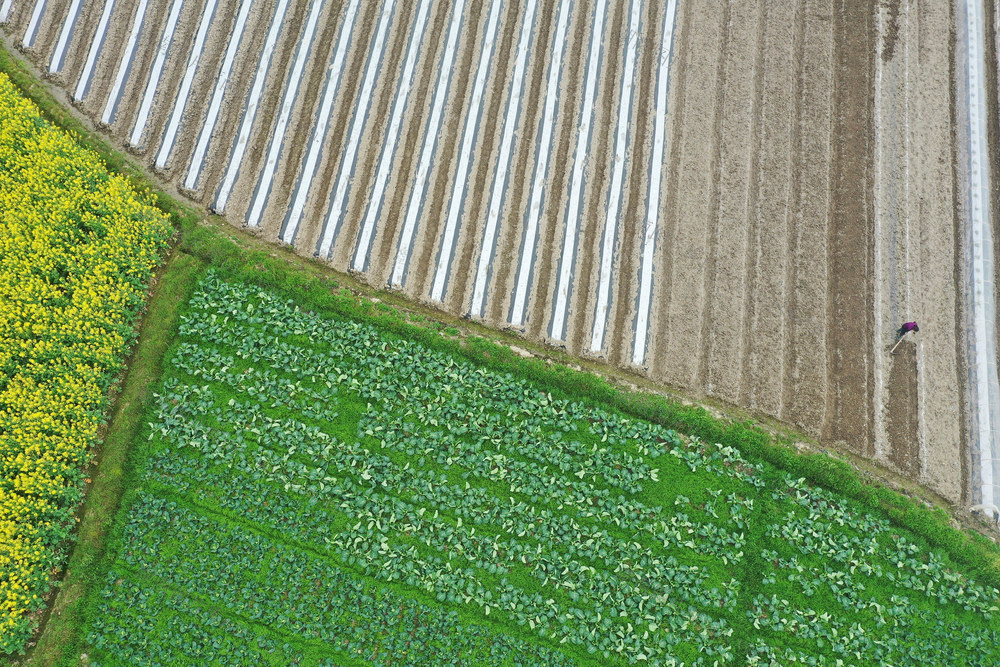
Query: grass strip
[[111, 472]]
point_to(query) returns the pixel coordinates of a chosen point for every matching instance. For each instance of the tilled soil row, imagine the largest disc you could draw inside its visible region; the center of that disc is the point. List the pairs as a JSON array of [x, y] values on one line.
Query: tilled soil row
[[767, 250]]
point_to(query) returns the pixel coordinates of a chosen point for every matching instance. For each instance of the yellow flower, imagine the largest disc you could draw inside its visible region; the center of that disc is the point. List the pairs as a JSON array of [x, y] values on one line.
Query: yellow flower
[[77, 246]]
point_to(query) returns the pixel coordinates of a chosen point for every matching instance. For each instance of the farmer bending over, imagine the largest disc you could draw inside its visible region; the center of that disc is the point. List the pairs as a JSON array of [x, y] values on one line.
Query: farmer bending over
[[905, 329]]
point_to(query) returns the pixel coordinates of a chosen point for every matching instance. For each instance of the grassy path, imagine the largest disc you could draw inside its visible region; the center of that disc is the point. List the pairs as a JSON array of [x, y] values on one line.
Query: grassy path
[[111, 472]]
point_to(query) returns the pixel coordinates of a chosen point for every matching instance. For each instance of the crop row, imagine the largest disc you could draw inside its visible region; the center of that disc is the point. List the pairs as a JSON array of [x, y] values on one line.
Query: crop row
[[588, 564], [77, 247], [291, 591], [280, 431]]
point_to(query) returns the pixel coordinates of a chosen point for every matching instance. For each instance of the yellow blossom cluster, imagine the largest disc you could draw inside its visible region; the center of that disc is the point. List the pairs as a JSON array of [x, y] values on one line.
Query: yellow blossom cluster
[[77, 248]]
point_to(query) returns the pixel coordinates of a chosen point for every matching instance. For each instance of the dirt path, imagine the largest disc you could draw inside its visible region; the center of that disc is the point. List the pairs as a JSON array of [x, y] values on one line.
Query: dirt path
[[902, 424], [848, 418], [805, 379]]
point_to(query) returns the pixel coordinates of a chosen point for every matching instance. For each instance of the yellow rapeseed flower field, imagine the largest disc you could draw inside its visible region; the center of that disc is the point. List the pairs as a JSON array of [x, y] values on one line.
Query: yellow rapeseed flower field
[[77, 248]]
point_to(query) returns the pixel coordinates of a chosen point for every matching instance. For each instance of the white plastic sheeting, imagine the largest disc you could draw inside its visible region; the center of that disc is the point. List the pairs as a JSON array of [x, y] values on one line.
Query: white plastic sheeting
[[984, 389]]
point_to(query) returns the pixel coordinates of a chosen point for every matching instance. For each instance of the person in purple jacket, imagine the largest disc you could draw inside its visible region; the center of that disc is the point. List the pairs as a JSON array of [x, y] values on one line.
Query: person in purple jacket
[[905, 329]]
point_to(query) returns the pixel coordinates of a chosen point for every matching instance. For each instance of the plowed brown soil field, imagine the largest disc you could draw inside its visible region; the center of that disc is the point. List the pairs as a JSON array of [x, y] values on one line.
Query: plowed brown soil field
[[805, 202]]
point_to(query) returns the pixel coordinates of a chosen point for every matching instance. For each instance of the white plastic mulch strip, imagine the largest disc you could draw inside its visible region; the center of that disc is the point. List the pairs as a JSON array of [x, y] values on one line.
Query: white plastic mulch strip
[[653, 199], [250, 113], [58, 55], [215, 105], [617, 182], [284, 116], [418, 193], [154, 76], [5, 10], [182, 95], [469, 135], [497, 196], [126, 64], [338, 205], [537, 201], [83, 85], [314, 154], [983, 383], [32, 30], [389, 146], [567, 259]]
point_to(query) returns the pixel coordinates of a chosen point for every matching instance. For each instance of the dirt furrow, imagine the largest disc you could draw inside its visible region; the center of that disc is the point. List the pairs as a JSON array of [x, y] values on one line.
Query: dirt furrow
[[437, 93], [67, 24], [935, 247], [299, 124], [138, 71], [568, 203], [234, 101], [763, 361], [848, 415], [110, 54], [740, 127], [17, 18], [620, 333], [700, 378], [657, 225], [402, 175], [50, 22], [680, 296], [805, 353], [599, 164], [34, 17], [460, 117]]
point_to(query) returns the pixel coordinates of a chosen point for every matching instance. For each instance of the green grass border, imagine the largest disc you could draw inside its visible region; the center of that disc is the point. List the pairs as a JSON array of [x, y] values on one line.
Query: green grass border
[[313, 286]]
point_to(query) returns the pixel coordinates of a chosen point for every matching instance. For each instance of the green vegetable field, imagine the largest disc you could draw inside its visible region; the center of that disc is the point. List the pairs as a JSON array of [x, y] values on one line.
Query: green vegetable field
[[315, 491]]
